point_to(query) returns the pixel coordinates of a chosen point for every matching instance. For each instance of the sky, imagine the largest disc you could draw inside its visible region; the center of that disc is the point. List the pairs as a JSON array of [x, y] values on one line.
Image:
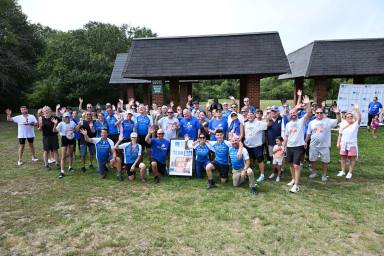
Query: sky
[[298, 22]]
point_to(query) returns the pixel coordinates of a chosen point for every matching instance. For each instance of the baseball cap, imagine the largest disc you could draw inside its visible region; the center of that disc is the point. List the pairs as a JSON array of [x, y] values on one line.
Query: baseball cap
[[133, 135], [66, 114], [233, 114], [275, 109]]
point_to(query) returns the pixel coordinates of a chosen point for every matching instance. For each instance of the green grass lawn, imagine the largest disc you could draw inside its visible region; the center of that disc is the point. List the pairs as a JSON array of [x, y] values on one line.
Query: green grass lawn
[[81, 214]]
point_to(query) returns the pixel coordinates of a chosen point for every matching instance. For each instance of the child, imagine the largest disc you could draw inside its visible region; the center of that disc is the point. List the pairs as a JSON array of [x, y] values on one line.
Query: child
[[375, 125], [278, 156]]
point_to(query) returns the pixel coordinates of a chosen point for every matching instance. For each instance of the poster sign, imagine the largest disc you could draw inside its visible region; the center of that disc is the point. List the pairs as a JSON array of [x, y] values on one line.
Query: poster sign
[[360, 94], [157, 86], [180, 159]]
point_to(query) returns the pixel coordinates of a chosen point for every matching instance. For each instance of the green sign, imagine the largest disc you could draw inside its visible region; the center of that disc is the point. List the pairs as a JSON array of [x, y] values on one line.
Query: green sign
[[157, 86]]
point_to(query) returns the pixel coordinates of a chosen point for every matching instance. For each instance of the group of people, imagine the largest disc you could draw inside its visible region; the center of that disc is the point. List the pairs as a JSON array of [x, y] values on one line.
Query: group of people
[[225, 139]]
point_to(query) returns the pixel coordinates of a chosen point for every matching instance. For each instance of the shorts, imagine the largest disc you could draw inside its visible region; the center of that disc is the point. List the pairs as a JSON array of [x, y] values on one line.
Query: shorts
[[22, 140], [142, 142], [323, 153], [256, 153], [128, 168], [277, 161], [50, 143], [200, 167], [114, 137], [351, 152], [83, 149], [295, 154], [161, 168], [66, 142], [222, 168]]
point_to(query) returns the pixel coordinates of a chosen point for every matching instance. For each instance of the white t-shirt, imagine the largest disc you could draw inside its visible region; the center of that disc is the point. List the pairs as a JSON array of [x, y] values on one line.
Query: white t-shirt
[[66, 129], [294, 130], [169, 127], [349, 134], [254, 132], [25, 128], [320, 131]]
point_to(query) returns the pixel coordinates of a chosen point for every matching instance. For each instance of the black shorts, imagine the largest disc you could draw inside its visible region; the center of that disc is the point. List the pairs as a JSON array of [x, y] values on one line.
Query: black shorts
[[161, 168], [66, 142], [256, 153], [223, 169], [128, 168], [295, 154], [50, 143], [22, 140], [114, 137], [142, 142]]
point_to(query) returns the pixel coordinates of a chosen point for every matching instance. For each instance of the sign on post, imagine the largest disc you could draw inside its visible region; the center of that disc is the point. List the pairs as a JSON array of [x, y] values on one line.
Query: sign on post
[[157, 86], [180, 159]]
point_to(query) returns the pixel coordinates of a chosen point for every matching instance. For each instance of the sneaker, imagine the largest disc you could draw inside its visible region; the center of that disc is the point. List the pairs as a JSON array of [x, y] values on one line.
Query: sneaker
[[349, 176], [83, 169], [341, 174], [211, 185], [291, 183], [277, 179], [91, 166], [103, 176], [268, 162], [120, 177], [324, 178], [34, 159], [253, 190], [19, 163], [61, 175], [313, 175], [157, 180], [70, 169], [47, 167], [261, 178], [271, 176], [294, 189], [51, 161]]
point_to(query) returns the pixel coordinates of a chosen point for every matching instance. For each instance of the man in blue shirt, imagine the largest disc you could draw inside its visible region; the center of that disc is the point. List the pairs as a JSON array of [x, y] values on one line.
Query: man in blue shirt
[[113, 122], [143, 122], [374, 108], [189, 125], [159, 151], [218, 123]]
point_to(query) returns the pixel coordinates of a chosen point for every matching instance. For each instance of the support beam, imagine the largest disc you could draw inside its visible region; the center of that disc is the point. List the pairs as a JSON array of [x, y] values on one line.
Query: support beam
[[320, 90], [185, 90], [130, 91], [147, 94], [299, 85], [250, 87], [174, 91]]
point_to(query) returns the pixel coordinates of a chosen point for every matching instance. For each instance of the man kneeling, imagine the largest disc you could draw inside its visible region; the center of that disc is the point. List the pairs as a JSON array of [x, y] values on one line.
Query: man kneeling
[[104, 152], [240, 165]]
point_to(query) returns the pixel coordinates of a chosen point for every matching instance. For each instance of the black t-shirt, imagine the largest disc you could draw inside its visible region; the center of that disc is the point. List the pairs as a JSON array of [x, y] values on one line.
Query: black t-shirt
[[89, 132], [47, 127]]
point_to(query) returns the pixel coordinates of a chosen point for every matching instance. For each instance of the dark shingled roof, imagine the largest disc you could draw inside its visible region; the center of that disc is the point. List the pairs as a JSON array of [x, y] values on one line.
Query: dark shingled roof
[[206, 56], [117, 72], [338, 58]]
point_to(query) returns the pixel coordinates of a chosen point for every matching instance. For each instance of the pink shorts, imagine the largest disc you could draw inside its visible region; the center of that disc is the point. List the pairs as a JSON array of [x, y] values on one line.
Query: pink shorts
[[351, 152]]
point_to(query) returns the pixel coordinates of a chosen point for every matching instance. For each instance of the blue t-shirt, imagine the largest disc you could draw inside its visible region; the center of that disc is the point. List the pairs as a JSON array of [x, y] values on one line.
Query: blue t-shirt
[[190, 127], [159, 149], [143, 123], [202, 152], [226, 114], [221, 150], [374, 108], [215, 124], [103, 148], [128, 127], [112, 127], [98, 126], [274, 131], [235, 127], [77, 121], [237, 163], [130, 155]]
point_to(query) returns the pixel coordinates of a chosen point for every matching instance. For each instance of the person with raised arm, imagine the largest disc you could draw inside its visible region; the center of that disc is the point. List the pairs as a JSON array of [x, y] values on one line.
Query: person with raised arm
[[202, 150]]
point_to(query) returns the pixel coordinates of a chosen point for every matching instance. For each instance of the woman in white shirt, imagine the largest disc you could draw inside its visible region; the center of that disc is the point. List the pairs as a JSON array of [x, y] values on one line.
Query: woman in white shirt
[[347, 141]]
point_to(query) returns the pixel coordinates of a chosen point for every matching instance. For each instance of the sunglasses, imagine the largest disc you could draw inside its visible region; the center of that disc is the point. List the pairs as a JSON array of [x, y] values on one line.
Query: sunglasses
[[160, 133], [319, 112], [201, 137], [170, 112]]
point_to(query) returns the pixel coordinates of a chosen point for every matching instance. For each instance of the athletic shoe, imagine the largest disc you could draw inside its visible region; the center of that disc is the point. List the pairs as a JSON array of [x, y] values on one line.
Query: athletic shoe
[[294, 189], [91, 166], [261, 178], [291, 183], [340, 174], [253, 190], [47, 167], [34, 159], [19, 163], [103, 176], [271, 176], [349, 176], [157, 180], [277, 179], [120, 177], [70, 169], [61, 175], [83, 169], [324, 178], [268, 162], [211, 184], [313, 175]]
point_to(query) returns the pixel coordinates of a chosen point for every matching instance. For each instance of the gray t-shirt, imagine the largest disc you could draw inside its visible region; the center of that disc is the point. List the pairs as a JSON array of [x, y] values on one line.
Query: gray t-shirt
[[254, 132], [67, 129], [320, 131], [294, 130], [169, 127]]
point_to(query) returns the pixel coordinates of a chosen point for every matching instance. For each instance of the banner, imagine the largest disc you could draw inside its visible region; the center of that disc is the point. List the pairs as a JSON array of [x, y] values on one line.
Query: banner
[[180, 159], [360, 94]]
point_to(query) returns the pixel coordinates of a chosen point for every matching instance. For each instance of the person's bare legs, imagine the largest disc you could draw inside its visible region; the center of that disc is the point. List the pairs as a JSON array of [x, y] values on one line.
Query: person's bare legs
[[325, 169], [343, 164], [297, 174], [32, 148], [71, 154], [352, 163], [21, 151], [63, 158]]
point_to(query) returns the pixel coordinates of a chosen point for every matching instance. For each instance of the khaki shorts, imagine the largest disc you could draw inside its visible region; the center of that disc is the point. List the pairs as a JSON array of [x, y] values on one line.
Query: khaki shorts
[[321, 154]]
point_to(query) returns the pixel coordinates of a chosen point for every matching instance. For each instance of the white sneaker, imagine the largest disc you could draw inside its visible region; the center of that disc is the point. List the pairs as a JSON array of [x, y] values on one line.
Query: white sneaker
[[268, 162], [349, 176], [51, 161], [340, 174], [324, 178], [313, 175], [34, 159], [271, 176], [260, 179], [294, 189], [291, 183], [19, 163], [277, 179]]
